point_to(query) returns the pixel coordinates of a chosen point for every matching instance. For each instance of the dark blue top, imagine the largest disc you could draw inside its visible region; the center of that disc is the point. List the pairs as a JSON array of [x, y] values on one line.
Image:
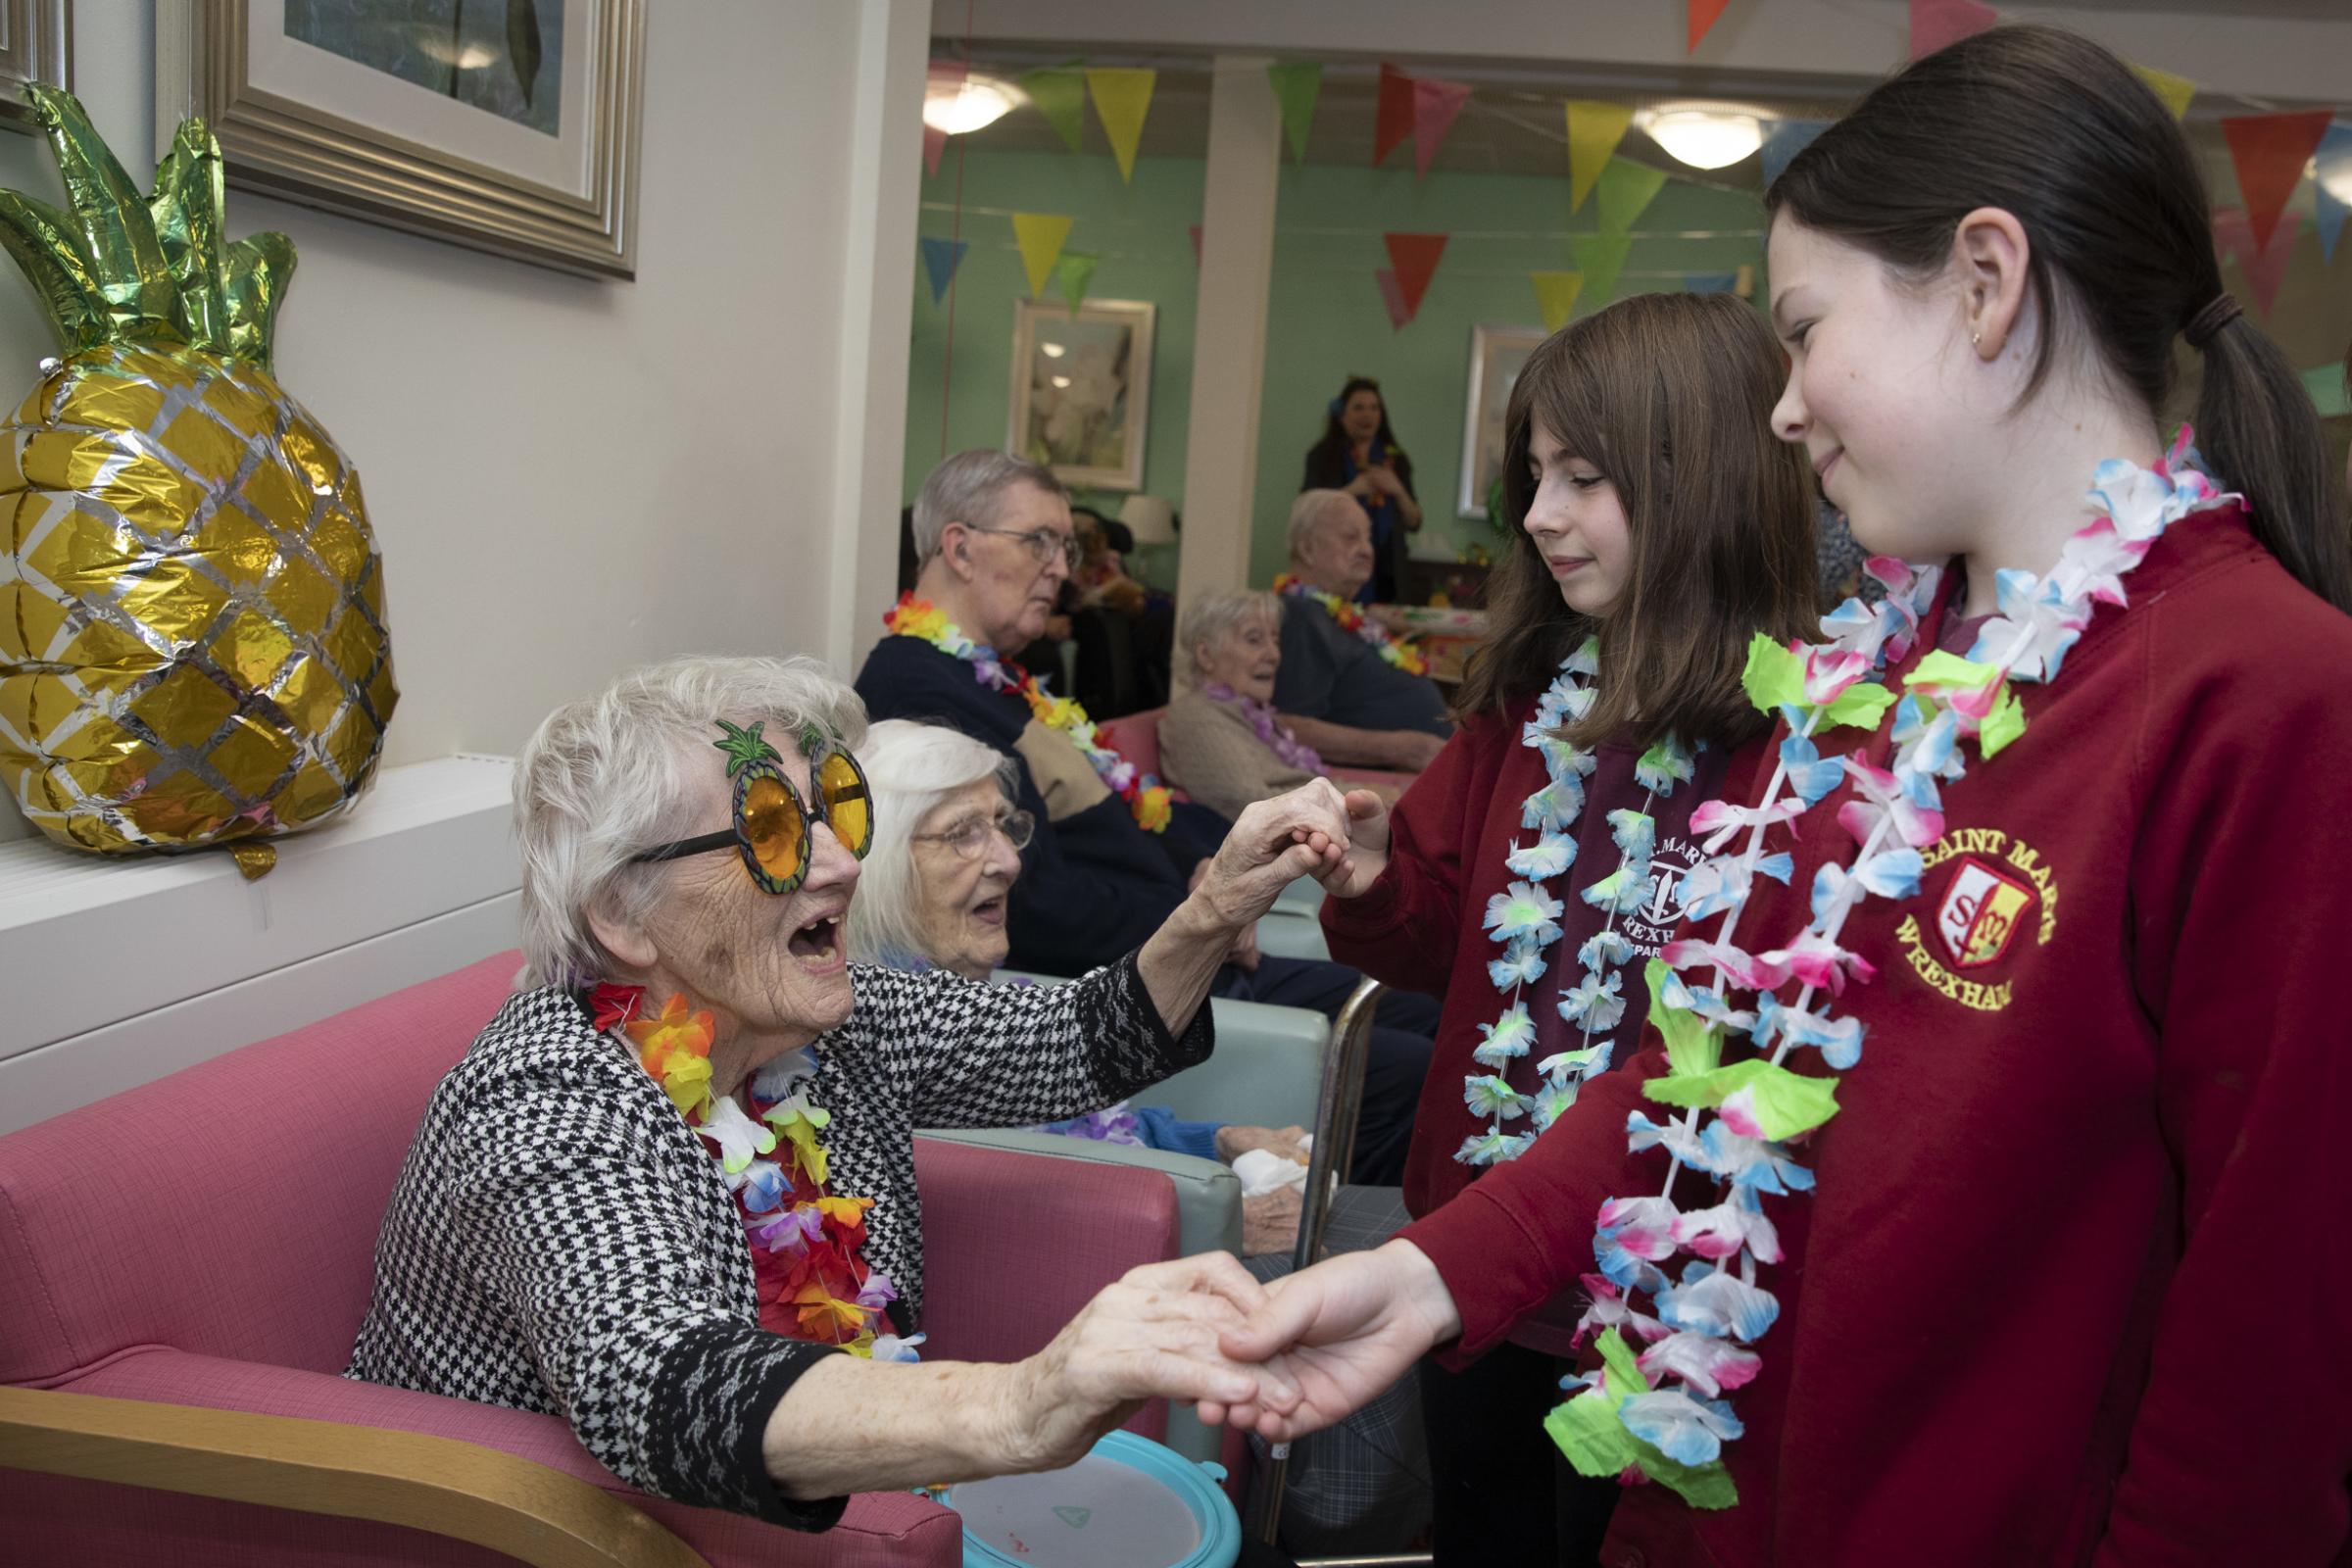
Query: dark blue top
[[1093, 885], [1332, 675]]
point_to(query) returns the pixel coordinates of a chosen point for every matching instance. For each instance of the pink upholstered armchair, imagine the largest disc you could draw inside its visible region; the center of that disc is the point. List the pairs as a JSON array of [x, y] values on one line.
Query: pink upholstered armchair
[[183, 1268]]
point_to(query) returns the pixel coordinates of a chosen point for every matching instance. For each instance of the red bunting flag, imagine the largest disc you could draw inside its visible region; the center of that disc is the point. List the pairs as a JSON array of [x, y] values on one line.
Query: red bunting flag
[[1936, 22], [2270, 152], [1391, 295], [1435, 105], [1415, 259], [1396, 120], [1702, 17]]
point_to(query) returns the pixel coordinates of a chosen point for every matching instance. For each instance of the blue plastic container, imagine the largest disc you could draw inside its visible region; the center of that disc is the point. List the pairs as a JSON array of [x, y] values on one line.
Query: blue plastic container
[[1129, 1503]]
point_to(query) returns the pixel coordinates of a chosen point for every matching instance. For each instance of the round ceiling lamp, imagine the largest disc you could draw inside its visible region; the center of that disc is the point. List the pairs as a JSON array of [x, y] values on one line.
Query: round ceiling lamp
[[960, 108], [1703, 135]]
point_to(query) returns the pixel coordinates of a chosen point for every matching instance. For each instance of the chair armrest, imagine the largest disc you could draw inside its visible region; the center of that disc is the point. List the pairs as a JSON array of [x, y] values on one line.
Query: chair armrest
[[1289, 935], [1267, 1069], [1208, 1196], [441, 1484]]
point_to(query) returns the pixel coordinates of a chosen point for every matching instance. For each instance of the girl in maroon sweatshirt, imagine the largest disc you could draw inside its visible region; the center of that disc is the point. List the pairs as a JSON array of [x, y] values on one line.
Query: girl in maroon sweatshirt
[[1657, 525], [2064, 1279]]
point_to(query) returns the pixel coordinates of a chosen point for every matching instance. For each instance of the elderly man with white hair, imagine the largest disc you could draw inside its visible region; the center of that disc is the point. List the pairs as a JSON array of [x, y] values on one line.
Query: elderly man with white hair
[[674, 1179], [1346, 687]]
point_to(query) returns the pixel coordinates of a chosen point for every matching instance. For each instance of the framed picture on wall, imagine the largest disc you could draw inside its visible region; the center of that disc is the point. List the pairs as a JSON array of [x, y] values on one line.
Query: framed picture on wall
[[36, 44], [507, 126], [1082, 389], [1497, 356]]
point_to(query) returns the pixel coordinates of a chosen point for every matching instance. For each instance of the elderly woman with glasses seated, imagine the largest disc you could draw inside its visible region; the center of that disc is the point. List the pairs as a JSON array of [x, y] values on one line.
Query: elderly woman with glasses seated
[[672, 1182], [935, 894]]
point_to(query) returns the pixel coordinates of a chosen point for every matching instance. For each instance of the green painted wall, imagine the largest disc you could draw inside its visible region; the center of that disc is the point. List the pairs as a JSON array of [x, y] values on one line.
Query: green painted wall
[[1325, 321]]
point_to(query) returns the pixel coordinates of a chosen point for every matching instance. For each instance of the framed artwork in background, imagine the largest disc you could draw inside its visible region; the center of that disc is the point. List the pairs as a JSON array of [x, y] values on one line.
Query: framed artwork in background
[[507, 126], [1497, 356], [1082, 390]]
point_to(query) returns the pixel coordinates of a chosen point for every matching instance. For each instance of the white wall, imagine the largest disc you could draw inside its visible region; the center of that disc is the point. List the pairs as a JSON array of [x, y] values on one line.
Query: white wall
[[569, 476]]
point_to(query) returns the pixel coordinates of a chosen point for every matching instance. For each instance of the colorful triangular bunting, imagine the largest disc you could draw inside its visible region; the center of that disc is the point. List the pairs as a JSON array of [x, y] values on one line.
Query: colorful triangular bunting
[[1593, 131], [1936, 22], [1601, 258], [1071, 274], [1296, 88], [2263, 265], [941, 258], [1783, 141], [1391, 295], [1040, 238], [2175, 91], [1555, 296], [2334, 195], [1435, 105], [1059, 94], [1623, 190], [1121, 98], [1702, 17], [2270, 152], [1415, 257], [1711, 282], [1395, 121]]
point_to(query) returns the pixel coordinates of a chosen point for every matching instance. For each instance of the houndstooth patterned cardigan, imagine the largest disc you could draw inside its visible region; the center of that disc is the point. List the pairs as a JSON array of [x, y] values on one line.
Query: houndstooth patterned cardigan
[[560, 1241]]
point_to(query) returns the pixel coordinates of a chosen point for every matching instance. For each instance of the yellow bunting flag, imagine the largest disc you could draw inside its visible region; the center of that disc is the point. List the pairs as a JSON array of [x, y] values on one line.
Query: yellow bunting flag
[[1555, 296], [2175, 91], [1593, 131], [1041, 236], [1121, 96]]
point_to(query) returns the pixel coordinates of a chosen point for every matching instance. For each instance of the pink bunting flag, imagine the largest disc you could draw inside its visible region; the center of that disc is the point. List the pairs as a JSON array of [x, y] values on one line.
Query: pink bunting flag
[[945, 81], [1936, 22], [1435, 105], [2264, 264], [1391, 294]]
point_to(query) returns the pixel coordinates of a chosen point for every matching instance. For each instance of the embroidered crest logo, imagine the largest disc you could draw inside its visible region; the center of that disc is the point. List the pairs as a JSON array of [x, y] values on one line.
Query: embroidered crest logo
[[1980, 913]]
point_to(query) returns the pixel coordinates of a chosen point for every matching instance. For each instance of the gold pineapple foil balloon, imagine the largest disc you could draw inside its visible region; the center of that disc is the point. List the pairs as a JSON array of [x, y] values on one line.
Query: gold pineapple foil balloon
[[192, 645]]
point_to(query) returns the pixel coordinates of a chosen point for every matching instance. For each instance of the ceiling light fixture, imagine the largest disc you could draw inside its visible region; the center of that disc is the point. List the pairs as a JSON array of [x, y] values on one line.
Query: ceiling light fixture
[[959, 108], [1703, 135]]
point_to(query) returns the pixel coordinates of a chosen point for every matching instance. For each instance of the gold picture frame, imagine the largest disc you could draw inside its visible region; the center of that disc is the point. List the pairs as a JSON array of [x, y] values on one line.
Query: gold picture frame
[[326, 106], [1081, 399]]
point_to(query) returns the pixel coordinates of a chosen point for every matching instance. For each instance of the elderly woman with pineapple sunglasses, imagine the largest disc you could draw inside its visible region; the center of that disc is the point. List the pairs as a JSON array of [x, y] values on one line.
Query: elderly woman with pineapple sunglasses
[[674, 1179]]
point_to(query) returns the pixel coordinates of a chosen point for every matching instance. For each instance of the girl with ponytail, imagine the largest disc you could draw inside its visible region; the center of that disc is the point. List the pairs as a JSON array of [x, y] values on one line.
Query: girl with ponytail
[[1977, 1199]]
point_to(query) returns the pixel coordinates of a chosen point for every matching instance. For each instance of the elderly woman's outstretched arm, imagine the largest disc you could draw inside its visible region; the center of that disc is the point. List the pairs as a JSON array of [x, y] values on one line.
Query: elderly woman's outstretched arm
[[969, 1054]]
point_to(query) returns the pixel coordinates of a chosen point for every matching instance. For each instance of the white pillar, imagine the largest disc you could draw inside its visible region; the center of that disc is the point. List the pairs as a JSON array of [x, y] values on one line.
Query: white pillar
[[877, 306], [1229, 339]]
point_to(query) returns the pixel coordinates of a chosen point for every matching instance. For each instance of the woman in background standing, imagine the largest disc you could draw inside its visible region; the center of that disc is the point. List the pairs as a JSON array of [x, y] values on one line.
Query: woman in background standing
[[1360, 454]]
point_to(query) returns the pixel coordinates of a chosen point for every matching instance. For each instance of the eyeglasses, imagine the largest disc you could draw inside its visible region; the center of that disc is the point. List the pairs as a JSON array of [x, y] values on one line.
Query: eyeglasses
[[970, 837], [1043, 544], [771, 826]]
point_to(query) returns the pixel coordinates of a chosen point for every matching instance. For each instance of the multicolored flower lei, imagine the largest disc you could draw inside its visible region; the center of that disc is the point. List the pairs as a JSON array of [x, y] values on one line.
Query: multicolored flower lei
[[1673, 1430], [1268, 726], [1351, 618], [1146, 797], [804, 1241], [1525, 920]]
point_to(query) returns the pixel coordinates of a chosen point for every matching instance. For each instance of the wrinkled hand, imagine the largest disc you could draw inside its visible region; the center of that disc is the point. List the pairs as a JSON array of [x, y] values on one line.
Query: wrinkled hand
[[1336, 1335], [1270, 1221], [1364, 856], [1236, 1139], [1244, 954], [1303, 833], [1151, 1335]]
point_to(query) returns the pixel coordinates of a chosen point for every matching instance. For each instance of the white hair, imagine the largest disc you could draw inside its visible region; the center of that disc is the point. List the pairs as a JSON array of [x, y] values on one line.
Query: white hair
[[910, 769], [1212, 619], [1309, 513], [606, 778], [968, 488]]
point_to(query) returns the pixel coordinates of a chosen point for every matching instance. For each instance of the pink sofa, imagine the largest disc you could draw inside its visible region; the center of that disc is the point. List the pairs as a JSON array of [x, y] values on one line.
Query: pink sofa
[[208, 1240]]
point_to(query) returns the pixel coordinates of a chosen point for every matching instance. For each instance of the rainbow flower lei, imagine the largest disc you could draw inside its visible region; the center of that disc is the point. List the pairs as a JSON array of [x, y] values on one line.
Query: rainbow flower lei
[[806, 1242], [1352, 620], [1146, 797], [1525, 918], [1672, 1431]]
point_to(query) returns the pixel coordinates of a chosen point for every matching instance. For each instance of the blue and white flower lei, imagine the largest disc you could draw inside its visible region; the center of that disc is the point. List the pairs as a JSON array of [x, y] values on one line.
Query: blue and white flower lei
[[1525, 920], [1700, 1326]]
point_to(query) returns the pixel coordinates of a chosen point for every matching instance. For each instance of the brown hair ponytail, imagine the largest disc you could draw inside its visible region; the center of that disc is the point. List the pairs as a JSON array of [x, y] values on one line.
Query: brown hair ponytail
[[2057, 131]]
